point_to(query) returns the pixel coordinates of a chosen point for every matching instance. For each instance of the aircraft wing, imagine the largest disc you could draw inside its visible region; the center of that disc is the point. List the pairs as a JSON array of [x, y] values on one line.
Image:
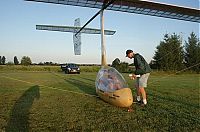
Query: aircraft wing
[[144, 7], [73, 29]]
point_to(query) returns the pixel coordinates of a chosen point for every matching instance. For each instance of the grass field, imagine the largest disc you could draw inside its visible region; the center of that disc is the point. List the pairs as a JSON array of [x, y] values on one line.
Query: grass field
[[53, 101]]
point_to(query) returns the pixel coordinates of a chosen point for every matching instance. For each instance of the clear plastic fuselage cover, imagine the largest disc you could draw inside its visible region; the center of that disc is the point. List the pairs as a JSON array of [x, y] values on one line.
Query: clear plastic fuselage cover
[[109, 80]]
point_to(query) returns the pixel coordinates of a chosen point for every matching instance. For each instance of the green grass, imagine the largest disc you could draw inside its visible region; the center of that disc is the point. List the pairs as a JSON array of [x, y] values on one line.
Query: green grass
[[53, 101]]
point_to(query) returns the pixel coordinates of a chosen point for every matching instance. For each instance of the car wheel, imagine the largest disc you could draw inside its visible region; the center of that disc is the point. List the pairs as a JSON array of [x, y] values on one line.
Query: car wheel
[[66, 71]]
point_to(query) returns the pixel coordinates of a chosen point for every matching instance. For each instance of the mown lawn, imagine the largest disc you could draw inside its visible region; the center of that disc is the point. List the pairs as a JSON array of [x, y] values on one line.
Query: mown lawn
[[53, 101]]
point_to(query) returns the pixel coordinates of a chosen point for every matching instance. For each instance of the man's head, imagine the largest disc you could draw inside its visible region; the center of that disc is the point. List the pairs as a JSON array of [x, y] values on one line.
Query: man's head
[[129, 54]]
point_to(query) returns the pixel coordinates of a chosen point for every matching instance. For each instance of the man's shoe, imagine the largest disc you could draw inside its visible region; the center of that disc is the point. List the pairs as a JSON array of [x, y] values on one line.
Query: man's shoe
[[139, 102], [143, 105]]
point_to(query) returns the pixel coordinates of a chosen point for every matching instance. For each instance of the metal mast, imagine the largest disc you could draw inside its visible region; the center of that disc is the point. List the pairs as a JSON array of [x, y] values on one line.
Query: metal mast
[[103, 48]]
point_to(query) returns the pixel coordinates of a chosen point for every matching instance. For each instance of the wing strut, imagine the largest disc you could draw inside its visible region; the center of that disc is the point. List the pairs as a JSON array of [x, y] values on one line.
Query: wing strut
[[104, 6]]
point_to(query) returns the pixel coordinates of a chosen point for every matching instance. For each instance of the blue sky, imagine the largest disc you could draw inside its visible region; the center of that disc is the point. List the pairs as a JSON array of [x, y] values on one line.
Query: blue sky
[[18, 36]]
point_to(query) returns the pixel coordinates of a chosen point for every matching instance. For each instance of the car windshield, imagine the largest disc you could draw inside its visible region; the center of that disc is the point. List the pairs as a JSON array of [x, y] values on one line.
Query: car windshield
[[72, 65]]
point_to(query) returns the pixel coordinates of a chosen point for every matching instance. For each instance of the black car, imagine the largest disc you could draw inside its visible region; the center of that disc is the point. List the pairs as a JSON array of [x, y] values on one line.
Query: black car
[[70, 68]]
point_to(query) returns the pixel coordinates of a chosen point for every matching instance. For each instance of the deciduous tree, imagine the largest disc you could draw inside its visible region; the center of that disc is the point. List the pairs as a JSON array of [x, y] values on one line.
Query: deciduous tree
[[26, 61]]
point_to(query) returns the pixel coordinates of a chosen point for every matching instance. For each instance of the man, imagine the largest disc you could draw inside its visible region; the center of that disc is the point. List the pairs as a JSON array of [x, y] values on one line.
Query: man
[[141, 74]]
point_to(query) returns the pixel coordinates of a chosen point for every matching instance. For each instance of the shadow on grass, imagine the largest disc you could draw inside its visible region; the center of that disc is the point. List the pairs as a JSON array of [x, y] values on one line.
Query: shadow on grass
[[20, 112], [83, 86]]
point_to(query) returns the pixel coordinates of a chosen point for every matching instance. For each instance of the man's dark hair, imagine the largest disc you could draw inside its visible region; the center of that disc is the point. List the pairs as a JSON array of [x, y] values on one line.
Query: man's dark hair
[[128, 51]]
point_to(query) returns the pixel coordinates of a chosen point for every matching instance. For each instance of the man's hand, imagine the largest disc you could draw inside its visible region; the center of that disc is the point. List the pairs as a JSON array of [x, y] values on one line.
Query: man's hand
[[132, 76]]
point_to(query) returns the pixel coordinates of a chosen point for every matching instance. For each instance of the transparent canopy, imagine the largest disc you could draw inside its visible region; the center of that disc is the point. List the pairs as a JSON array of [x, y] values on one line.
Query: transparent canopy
[[109, 80]]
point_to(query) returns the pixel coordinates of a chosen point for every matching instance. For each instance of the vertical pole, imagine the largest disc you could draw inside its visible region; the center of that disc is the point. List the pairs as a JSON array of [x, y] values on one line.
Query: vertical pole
[[103, 49]]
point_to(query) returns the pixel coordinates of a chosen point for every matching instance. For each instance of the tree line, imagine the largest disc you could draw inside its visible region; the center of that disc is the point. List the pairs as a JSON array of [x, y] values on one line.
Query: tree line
[[171, 55], [24, 61]]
